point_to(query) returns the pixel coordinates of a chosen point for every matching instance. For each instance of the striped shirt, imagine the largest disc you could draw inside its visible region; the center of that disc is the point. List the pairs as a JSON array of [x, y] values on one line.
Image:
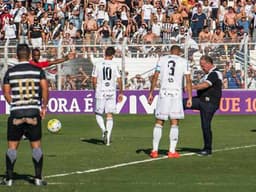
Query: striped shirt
[[24, 80]]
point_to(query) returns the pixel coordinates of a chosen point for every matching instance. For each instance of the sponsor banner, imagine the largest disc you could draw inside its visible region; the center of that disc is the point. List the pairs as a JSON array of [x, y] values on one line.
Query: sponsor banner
[[135, 102]]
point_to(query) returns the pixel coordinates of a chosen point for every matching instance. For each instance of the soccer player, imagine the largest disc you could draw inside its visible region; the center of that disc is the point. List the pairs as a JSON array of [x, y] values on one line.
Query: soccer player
[[171, 69], [105, 76], [25, 89]]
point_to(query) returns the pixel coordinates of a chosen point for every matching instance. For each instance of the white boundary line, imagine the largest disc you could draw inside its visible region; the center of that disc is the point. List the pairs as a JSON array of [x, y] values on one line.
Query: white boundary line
[[139, 162]]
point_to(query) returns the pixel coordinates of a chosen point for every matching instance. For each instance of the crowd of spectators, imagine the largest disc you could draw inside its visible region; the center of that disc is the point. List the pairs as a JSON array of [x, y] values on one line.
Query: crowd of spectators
[[81, 24], [140, 21]]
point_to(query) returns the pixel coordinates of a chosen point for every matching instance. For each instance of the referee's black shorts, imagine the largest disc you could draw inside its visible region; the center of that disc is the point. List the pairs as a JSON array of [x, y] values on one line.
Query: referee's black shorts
[[32, 132]]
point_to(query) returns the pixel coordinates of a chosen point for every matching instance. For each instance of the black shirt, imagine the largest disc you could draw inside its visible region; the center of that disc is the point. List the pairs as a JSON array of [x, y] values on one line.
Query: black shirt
[[36, 31], [213, 93]]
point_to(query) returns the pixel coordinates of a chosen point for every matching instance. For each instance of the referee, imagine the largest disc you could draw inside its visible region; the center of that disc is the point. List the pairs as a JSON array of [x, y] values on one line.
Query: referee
[[25, 89], [207, 101]]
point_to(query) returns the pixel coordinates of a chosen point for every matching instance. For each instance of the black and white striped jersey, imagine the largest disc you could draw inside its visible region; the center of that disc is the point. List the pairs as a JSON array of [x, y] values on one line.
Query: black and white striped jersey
[[24, 80]]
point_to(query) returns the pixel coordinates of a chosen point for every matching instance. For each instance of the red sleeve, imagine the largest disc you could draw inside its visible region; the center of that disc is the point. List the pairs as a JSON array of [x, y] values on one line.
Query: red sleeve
[[40, 64]]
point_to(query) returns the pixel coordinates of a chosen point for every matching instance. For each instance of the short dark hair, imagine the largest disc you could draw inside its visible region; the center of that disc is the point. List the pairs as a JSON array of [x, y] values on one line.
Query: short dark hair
[[207, 58], [35, 50], [23, 51], [175, 47], [110, 51]]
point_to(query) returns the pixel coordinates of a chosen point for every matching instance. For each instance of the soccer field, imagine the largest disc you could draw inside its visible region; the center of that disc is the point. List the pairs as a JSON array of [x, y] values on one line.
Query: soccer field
[[76, 160]]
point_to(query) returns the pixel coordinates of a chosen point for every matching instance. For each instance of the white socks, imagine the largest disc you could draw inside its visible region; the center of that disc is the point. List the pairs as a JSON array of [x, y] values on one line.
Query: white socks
[[109, 126], [174, 134], [157, 134], [101, 123]]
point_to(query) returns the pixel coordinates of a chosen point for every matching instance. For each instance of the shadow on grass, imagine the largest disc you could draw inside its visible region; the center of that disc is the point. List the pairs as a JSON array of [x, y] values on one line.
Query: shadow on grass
[[24, 177], [253, 130], [188, 149], [148, 151], [92, 141]]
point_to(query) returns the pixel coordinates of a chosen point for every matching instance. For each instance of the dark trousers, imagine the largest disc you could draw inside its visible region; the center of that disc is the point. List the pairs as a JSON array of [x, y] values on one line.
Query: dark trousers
[[207, 111]]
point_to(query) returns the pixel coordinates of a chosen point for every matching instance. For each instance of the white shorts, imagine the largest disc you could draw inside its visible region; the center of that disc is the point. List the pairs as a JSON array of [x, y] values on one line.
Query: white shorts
[[36, 42], [169, 108], [105, 105]]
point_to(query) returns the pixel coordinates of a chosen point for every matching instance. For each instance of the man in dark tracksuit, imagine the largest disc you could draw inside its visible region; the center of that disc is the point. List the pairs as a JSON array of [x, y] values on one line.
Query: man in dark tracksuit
[[207, 101]]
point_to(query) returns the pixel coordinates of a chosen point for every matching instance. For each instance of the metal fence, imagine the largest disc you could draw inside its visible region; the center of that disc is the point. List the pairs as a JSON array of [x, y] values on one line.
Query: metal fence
[[237, 61]]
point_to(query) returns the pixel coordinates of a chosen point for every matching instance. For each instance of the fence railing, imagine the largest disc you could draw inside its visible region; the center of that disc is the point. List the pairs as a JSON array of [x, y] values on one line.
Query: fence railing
[[237, 61]]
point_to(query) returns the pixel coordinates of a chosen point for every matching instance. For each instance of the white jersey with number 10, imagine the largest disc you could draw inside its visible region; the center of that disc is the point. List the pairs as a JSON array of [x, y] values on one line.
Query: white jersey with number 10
[[106, 73]]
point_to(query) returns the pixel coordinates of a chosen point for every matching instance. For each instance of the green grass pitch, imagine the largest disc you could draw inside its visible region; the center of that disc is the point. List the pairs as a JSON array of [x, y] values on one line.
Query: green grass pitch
[[76, 160]]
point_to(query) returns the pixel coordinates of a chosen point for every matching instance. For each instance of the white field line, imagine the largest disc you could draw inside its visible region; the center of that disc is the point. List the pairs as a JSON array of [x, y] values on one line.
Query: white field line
[[139, 162]]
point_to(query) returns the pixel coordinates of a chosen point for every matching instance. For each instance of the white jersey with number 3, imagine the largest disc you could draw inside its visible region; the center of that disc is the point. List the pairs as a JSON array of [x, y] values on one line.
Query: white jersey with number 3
[[106, 73], [172, 69]]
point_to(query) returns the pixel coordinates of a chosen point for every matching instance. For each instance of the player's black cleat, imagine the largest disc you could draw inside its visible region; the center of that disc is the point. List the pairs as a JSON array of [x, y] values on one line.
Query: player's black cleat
[[204, 153]]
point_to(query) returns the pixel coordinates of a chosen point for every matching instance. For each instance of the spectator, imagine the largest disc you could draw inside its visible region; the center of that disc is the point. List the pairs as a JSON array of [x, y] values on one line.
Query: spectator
[[104, 34], [207, 10], [244, 23], [222, 11], [232, 35], [10, 30], [124, 14], [112, 10], [138, 35], [101, 15], [166, 30], [5, 17], [89, 9], [131, 28], [90, 28], [230, 19], [60, 10], [204, 39], [233, 80], [73, 8], [17, 13], [251, 78], [23, 29], [71, 29], [182, 34], [149, 37], [69, 83], [214, 9], [176, 17], [137, 13], [160, 15], [118, 31], [56, 31], [49, 4], [82, 79], [50, 12], [198, 22], [39, 10], [218, 36], [169, 6], [147, 11], [45, 21], [35, 34], [156, 29], [31, 15]]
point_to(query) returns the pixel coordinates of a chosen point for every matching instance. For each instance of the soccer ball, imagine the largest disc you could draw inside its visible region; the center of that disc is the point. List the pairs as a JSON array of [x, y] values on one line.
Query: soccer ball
[[54, 125]]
